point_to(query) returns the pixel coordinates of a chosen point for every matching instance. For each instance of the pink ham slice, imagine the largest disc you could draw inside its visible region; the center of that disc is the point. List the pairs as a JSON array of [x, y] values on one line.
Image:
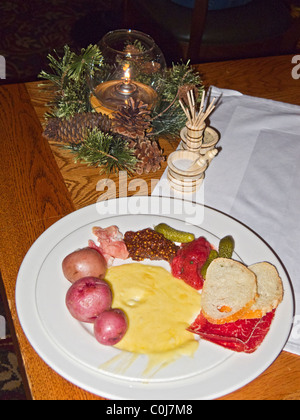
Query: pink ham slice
[[240, 336], [110, 243]]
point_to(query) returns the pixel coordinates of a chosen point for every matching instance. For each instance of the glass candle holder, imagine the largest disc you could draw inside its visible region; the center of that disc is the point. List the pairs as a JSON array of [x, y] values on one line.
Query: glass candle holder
[[132, 68]]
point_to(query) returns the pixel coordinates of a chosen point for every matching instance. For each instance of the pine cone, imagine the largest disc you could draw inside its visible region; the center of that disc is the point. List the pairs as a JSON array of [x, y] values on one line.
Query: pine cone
[[149, 155], [132, 120], [74, 129]]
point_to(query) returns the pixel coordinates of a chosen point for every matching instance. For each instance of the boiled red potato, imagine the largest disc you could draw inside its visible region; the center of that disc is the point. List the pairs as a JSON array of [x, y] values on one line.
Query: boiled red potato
[[110, 327], [87, 298], [85, 262]]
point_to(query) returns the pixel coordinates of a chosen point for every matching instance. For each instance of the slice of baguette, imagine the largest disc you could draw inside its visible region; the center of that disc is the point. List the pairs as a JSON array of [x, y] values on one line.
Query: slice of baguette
[[270, 290], [229, 291]]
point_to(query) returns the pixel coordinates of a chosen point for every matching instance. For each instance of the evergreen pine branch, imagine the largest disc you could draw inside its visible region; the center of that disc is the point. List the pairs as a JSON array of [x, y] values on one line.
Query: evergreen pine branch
[[68, 75], [72, 93], [107, 151], [59, 66], [89, 58], [168, 118]]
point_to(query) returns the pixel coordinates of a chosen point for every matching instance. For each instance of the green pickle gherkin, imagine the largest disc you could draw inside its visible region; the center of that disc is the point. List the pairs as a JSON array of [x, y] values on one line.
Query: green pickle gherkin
[[174, 234], [226, 247], [212, 256]]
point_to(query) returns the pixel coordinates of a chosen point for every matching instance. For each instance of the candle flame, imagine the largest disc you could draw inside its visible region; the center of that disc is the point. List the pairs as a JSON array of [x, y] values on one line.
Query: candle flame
[[127, 75]]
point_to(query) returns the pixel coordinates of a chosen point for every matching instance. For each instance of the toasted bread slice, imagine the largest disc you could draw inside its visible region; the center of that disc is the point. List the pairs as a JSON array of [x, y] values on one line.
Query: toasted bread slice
[[270, 290], [229, 291]]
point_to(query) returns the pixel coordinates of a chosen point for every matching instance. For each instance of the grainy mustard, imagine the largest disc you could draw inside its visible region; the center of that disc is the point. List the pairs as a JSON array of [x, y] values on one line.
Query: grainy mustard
[[148, 244]]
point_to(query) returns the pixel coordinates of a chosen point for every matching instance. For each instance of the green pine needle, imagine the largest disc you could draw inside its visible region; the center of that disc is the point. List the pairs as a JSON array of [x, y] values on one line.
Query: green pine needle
[[69, 76], [169, 120], [107, 151]]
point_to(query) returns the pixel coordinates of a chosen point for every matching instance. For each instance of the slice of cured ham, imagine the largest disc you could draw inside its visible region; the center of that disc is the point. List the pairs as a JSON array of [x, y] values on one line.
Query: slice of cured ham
[[110, 243], [240, 336]]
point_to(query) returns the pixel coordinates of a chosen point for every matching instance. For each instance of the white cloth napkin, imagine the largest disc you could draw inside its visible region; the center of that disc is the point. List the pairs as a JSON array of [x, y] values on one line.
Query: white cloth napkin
[[256, 177]]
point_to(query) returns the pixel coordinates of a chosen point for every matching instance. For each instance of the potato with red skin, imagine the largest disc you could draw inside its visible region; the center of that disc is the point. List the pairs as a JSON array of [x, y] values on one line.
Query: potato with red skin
[[85, 262], [110, 327], [87, 298]]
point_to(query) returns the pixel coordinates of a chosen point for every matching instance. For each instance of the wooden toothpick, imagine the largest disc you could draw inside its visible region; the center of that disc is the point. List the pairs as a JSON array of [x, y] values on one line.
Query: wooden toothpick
[[202, 116], [186, 112], [196, 120]]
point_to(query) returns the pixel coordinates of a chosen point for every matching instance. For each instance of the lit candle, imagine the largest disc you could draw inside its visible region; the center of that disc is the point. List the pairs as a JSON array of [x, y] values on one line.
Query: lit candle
[[110, 95], [126, 74], [133, 63], [126, 87]]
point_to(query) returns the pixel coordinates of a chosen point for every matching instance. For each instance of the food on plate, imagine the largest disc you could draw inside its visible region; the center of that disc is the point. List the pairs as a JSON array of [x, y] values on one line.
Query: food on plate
[[159, 308], [87, 298], [84, 262], [110, 327], [110, 243], [270, 290], [226, 247], [230, 289], [136, 302], [212, 256], [174, 235], [247, 332], [149, 244], [189, 260], [244, 335]]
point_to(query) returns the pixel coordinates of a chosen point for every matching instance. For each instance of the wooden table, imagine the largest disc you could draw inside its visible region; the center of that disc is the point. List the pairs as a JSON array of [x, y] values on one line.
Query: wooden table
[[40, 184]]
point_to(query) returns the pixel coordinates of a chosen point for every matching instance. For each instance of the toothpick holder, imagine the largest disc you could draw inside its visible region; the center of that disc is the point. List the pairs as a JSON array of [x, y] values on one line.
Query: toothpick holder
[[197, 148], [194, 137], [209, 140]]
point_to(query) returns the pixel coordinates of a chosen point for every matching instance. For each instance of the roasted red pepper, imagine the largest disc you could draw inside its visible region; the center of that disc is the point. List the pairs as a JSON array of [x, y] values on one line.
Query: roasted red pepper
[[189, 260]]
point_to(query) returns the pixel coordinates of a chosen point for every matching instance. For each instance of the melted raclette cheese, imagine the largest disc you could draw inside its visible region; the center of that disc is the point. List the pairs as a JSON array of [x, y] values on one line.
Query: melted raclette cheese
[[159, 308]]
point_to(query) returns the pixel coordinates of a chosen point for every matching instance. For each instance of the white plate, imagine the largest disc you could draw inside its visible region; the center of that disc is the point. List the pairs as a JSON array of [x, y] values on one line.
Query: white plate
[[69, 346]]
